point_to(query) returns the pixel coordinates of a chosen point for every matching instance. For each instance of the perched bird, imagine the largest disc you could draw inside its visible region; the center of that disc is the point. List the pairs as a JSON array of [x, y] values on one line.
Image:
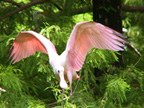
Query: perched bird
[[38, 14], [84, 37]]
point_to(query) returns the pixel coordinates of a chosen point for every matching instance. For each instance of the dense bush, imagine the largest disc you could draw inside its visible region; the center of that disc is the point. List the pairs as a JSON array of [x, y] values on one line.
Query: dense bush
[[31, 82]]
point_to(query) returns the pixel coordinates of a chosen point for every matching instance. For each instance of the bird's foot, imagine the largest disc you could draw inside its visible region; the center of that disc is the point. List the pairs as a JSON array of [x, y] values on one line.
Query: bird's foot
[[71, 93], [78, 77]]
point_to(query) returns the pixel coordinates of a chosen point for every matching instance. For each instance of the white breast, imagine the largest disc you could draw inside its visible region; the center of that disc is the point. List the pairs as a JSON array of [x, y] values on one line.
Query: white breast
[[59, 60]]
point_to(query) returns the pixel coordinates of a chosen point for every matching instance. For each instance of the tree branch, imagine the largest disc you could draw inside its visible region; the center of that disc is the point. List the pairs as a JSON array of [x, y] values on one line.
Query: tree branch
[[126, 8], [56, 5], [24, 7], [129, 8], [12, 2]]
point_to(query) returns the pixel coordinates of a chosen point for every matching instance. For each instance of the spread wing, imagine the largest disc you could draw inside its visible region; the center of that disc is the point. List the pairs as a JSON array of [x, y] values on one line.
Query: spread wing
[[27, 43], [88, 35]]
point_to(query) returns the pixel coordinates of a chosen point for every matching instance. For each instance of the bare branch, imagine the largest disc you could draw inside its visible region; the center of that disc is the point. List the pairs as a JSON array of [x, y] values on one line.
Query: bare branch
[[134, 49], [126, 8], [12, 2], [129, 8], [56, 5], [24, 7]]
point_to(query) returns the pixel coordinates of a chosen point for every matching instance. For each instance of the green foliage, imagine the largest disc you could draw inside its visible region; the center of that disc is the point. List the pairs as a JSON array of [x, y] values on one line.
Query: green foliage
[[10, 80], [31, 82], [116, 91]]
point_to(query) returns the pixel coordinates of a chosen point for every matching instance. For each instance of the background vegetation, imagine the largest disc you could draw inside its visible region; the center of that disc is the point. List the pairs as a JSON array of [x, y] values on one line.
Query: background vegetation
[[31, 82]]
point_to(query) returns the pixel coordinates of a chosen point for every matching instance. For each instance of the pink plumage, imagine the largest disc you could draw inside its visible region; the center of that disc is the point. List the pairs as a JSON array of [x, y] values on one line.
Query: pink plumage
[[26, 44], [88, 35], [84, 37]]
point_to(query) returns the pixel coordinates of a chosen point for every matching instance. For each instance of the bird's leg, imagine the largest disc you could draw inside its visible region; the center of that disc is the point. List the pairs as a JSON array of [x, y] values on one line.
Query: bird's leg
[[70, 76], [63, 90], [71, 93]]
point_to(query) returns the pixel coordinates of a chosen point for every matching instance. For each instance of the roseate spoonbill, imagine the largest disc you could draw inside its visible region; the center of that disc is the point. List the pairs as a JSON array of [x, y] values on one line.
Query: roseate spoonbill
[[85, 36]]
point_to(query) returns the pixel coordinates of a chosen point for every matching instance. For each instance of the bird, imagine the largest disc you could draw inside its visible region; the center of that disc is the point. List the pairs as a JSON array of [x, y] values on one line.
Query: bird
[[84, 37], [38, 14]]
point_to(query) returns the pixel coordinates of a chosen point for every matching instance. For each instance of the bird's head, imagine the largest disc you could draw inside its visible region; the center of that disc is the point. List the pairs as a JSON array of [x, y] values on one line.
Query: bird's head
[[60, 72]]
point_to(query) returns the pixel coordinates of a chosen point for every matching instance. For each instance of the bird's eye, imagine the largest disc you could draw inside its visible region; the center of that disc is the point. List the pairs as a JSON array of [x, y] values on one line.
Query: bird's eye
[[58, 71]]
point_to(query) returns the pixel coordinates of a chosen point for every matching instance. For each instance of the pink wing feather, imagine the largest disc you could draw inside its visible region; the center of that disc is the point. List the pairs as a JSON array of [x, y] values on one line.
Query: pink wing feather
[[27, 43], [88, 35]]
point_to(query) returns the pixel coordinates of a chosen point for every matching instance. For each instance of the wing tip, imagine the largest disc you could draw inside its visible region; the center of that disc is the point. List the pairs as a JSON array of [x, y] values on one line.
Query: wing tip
[[119, 35]]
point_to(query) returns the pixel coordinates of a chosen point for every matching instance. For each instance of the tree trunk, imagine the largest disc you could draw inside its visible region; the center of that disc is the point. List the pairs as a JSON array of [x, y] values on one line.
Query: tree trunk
[[108, 12]]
